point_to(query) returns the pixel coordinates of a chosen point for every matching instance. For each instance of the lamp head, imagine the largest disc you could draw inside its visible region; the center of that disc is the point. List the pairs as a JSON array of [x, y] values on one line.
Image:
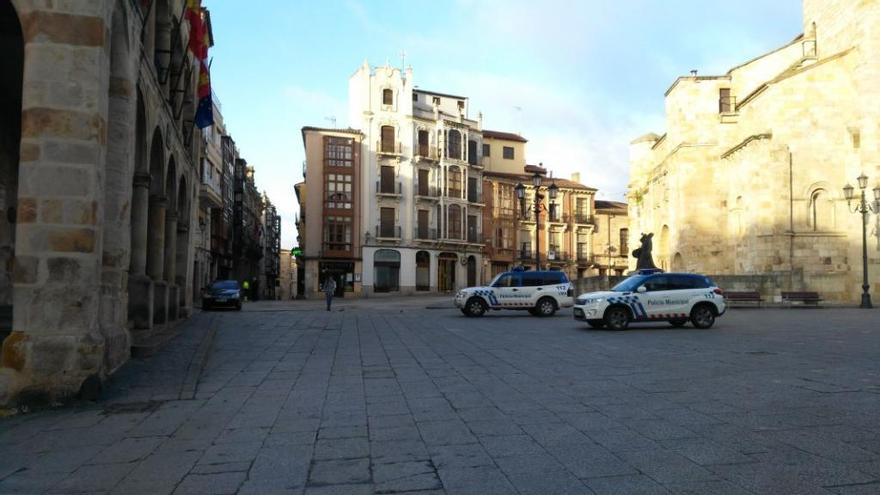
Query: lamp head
[[554, 189], [863, 181], [536, 179], [848, 192]]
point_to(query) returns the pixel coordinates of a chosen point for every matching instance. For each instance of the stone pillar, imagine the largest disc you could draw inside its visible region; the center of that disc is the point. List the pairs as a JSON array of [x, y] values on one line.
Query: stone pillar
[[140, 286], [156, 259], [171, 262]]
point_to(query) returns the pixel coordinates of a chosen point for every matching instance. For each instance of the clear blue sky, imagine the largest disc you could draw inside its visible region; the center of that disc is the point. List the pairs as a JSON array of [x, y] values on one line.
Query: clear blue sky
[[578, 79]]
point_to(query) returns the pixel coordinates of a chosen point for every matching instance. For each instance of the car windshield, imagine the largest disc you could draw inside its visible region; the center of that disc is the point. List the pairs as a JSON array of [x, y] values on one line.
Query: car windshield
[[225, 285], [495, 280], [630, 284]]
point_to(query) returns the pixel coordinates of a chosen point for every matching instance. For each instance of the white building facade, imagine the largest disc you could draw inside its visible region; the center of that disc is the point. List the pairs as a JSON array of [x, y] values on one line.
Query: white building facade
[[422, 182]]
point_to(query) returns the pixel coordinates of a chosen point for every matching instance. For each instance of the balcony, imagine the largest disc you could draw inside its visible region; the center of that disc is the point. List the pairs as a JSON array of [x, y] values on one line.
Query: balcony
[[211, 190], [454, 236], [385, 148], [557, 218], [472, 236], [454, 193], [525, 254], [388, 188], [584, 219], [426, 192], [337, 247], [387, 232], [557, 255], [584, 258], [425, 152], [424, 234]]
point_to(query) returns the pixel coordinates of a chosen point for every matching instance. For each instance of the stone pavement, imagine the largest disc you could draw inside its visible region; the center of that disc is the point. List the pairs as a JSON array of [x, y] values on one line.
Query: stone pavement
[[388, 397]]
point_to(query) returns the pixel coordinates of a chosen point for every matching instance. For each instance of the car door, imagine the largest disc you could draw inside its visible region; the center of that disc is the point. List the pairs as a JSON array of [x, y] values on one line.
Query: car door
[[656, 297], [532, 288], [507, 289]]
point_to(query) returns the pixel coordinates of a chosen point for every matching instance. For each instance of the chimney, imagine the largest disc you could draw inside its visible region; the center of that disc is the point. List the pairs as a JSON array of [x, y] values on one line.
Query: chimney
[[576, 177]]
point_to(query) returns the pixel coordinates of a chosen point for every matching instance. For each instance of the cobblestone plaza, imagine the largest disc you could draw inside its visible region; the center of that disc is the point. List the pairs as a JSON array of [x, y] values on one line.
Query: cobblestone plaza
[[390, 397]]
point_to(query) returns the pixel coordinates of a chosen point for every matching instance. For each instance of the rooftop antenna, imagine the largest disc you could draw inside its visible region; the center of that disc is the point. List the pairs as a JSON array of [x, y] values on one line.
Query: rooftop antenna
[[402, 59], [332, 120], [693, 72]]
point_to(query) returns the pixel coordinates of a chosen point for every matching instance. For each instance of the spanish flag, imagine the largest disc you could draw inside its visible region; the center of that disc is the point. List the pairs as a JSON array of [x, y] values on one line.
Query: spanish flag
[[199, 41]]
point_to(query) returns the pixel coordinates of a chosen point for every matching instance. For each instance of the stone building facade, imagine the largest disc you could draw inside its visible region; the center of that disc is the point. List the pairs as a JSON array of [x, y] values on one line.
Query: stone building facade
[[748, 177], [611, 246], [270, 263], [98, 168]]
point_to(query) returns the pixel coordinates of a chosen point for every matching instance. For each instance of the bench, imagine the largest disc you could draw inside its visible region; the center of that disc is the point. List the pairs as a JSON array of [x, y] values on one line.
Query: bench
[[749, 296], [806, 298]]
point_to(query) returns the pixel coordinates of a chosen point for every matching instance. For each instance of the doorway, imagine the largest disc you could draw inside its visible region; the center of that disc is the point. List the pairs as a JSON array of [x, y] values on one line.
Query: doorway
[[471, 271], [446, 271], [342, 273]]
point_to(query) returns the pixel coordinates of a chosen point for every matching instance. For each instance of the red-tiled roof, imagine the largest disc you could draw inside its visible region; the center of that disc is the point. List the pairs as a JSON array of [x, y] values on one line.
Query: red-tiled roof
[[509, 136], [527, 180], [531, 169], [602, 204]]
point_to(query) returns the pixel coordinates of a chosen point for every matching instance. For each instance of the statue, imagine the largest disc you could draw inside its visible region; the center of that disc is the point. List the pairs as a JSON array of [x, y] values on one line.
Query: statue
[[643, 253]]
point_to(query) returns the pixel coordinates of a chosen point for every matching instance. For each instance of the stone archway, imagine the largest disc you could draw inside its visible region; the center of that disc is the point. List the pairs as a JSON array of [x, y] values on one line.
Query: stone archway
[[140, 287], [158, 203], [11, 78], [170, 241]]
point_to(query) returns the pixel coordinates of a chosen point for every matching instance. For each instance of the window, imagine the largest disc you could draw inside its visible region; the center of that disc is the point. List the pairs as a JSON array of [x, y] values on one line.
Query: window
[[624, 242], [725, 101], [486, 149], [820, 211], [424, 183], [415, 97], [338, 152], [460, 105], [554, 278], [337, 191], [423, 271], [507, 280], [472, 228], [507, 153], [386, 266], [453, 182], [423, 143], [337, 233], [387, 97], [386, 222], [504, 200], [658, 283], [454, 212], [387, 139], [473, 193], [386, 180], [472, 152], [532, 279], [453, 144], [423, 225], [435, 100], [682, 282]]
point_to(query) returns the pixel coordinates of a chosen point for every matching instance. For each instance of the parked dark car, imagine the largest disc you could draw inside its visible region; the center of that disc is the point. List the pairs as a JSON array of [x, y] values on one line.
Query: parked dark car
[[222, 293]]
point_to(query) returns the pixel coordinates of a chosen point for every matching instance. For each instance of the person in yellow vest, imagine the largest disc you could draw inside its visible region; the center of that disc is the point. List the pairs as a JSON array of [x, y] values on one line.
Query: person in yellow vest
[[247, 289]]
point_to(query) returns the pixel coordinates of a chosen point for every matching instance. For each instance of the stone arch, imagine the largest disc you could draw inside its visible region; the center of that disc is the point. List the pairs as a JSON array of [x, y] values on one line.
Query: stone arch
[[157, 204], [678, 263], [820, 210], [11, 80], [140, 288], [184, 208]]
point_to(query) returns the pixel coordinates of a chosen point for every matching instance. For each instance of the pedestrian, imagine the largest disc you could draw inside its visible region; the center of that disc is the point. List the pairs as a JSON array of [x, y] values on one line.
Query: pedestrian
[[247, 289], [329, 289]]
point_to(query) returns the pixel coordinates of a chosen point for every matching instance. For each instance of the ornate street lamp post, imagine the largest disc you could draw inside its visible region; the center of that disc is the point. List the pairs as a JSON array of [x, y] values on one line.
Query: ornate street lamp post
[[538, 207], [865, 209]]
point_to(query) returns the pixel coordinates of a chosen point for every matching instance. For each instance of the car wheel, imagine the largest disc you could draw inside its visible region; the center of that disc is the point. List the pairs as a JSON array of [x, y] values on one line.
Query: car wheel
[[546, 306], [617, 318], [678, 322], [702, 316], [476, 307], [596, 323]]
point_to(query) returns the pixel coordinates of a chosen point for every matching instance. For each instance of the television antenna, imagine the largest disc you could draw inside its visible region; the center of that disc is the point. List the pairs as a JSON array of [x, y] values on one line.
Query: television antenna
[[332, 120]]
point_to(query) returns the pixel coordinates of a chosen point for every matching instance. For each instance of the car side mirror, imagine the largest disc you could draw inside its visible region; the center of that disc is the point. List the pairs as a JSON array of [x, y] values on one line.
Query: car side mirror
[[641, 289]]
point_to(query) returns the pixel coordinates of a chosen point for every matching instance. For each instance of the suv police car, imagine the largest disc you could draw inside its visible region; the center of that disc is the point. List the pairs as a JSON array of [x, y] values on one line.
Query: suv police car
[[539, 292], [650, 295]]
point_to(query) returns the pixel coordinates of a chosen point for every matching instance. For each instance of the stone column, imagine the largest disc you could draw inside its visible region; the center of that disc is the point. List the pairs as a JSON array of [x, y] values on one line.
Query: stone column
[[171, 262], [140, 286]]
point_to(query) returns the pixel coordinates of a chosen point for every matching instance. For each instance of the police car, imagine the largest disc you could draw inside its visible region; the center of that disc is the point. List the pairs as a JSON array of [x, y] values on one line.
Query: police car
[[539, 292], [651, 295]]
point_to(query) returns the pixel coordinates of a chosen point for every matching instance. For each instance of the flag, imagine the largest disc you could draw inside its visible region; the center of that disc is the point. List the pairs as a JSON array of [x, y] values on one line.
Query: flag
[[199, 41]]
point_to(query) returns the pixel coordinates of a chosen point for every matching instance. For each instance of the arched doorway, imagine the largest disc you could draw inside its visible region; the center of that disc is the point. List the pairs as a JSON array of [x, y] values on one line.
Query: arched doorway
[[386, 266], [423, 271], [446, 271], [140, 289], [471, 271], [11, 77]]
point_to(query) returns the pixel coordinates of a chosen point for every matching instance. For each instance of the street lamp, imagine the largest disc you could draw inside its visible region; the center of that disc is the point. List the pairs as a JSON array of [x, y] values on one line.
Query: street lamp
[[538, 207], [865, 209]]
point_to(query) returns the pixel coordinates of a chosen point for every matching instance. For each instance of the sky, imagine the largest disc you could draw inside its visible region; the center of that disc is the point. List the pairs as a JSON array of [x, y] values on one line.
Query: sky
[[578, 79]]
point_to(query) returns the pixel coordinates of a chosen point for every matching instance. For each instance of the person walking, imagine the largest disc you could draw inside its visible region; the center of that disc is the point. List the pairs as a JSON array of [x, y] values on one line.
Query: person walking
[[247, 289], [329, 289]]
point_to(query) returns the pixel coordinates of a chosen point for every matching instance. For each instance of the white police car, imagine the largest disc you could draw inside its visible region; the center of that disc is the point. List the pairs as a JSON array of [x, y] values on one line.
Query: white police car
[[651, 295], [539, 292]]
